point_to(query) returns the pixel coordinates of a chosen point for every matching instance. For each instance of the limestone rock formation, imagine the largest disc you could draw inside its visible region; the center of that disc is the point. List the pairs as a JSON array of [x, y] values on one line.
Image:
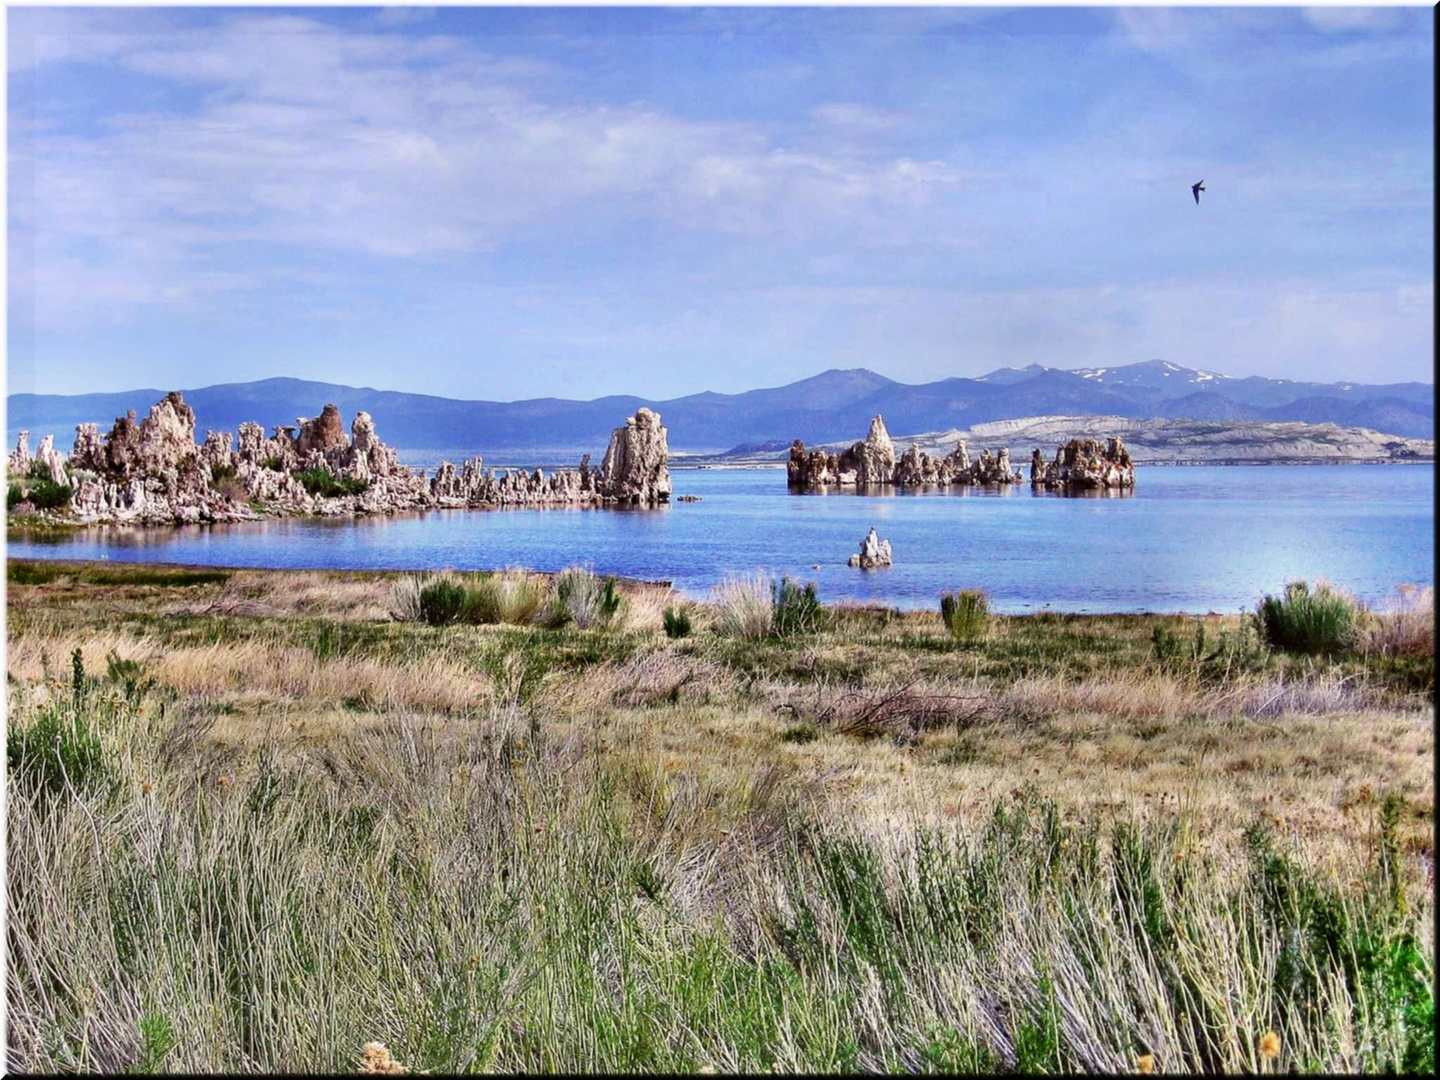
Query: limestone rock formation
[[19, 461], [873, 552], [1085, 464], [46, 460], [635, 470], [152, 472], [871, 461], [52, 460], [1080, 464], [812, 470], [473, 485], [323, 433], [636, 465]]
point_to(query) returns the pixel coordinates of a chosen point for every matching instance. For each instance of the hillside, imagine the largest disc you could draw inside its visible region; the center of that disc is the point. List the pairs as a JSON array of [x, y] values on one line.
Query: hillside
[[1160, 441], [827, 407]]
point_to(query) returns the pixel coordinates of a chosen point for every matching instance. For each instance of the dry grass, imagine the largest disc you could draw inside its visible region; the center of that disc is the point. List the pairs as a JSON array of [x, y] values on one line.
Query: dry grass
[[875, 723], [1407, 625], [516, 849], [258, 670], [744, 607]]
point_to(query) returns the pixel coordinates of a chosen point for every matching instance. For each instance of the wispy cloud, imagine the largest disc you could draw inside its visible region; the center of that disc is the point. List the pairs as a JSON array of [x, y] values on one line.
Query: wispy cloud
[[924, 191], [403, 147]]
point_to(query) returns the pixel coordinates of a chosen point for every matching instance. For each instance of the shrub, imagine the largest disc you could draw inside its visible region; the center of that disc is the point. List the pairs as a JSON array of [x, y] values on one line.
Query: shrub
[[404, 598], [512, 597], [322, 482], [222, 471], [274, 464], [797, 609], [442, 601], [584, 599], [744, 607], [14, 496], [677, 622], [59, 746], [966, 614], [1318, 622], [1171, 651], [129, 675], [48, 495], [1406, 627]]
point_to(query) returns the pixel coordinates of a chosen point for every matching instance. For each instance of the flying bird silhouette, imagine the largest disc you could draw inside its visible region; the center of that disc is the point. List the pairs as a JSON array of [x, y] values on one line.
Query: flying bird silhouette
[[1195, 190]]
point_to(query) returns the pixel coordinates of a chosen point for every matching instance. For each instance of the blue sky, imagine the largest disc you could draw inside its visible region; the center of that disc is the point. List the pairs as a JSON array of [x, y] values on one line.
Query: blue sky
[[509, 203]]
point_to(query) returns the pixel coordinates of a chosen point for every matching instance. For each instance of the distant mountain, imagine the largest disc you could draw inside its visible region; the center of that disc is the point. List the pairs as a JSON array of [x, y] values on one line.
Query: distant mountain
[[834, 405]]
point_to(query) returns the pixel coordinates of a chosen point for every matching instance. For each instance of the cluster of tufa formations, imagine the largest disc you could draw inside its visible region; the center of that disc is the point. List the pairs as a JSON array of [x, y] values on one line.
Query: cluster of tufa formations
[[1084, 464], [1079, 464], [152, 471], [635, 471]]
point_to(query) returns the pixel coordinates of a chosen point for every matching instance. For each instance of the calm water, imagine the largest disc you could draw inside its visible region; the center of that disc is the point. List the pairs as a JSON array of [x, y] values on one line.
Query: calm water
[[1189, 539]]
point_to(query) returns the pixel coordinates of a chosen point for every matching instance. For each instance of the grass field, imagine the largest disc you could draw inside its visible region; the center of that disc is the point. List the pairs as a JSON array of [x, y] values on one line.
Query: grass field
[[255, 822]]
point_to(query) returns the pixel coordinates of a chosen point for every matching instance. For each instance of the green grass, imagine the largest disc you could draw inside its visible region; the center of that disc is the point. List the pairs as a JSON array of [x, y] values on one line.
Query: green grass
[[965, 614], [1312, 622], [43, 572], [442, 602], [525, 884], [520, 905], [797, 610], [677, 622]]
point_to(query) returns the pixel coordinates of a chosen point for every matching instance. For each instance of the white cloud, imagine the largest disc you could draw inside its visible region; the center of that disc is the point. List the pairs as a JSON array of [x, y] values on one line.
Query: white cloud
[[404, 16], [1353, 18], [306, 137], [847, 116]]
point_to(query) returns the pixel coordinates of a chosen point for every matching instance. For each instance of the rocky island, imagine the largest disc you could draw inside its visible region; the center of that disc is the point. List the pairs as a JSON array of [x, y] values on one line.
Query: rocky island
[[1081, 464], [152, 472]]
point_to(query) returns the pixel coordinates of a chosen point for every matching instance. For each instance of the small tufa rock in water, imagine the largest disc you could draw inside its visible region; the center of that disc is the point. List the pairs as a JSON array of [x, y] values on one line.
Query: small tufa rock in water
[[873, 552]]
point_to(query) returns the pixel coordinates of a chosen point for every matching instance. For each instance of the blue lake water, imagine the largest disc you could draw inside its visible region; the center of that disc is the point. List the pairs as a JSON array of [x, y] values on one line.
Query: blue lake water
[[1188, 540]]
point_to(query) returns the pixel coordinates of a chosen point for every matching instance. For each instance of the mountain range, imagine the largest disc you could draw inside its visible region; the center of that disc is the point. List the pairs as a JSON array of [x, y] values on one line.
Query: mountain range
[[835, 405]]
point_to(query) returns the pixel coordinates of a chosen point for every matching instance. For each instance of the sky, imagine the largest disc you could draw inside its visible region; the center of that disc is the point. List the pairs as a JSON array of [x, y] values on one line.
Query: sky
[[513, 203]]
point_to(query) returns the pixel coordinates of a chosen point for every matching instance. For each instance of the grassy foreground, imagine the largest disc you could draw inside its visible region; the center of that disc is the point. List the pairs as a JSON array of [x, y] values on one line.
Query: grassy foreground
[[255, 822]]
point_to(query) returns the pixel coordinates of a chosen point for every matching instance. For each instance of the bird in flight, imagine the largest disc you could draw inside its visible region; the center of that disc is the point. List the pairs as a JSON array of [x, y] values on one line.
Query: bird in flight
[[1195, 190]]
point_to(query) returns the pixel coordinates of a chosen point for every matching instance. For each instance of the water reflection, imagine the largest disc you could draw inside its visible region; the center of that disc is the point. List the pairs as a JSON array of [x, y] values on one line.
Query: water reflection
[[961, 491]]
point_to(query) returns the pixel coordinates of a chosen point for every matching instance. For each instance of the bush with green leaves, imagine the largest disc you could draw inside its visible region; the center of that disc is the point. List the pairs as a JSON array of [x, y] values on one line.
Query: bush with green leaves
[[1314, 622], [59, 750], [585, 599], [677, 622], [513, 597], [41, 492], [966, 614], [442, 601], [322, 482], [797, 609]]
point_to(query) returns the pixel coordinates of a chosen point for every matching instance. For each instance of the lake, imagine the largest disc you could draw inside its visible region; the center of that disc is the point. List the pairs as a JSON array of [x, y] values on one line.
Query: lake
[[1188, 540]]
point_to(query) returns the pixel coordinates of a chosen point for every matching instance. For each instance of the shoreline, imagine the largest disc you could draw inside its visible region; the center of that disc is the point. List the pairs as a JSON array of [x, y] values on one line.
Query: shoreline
[[84, 566]]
